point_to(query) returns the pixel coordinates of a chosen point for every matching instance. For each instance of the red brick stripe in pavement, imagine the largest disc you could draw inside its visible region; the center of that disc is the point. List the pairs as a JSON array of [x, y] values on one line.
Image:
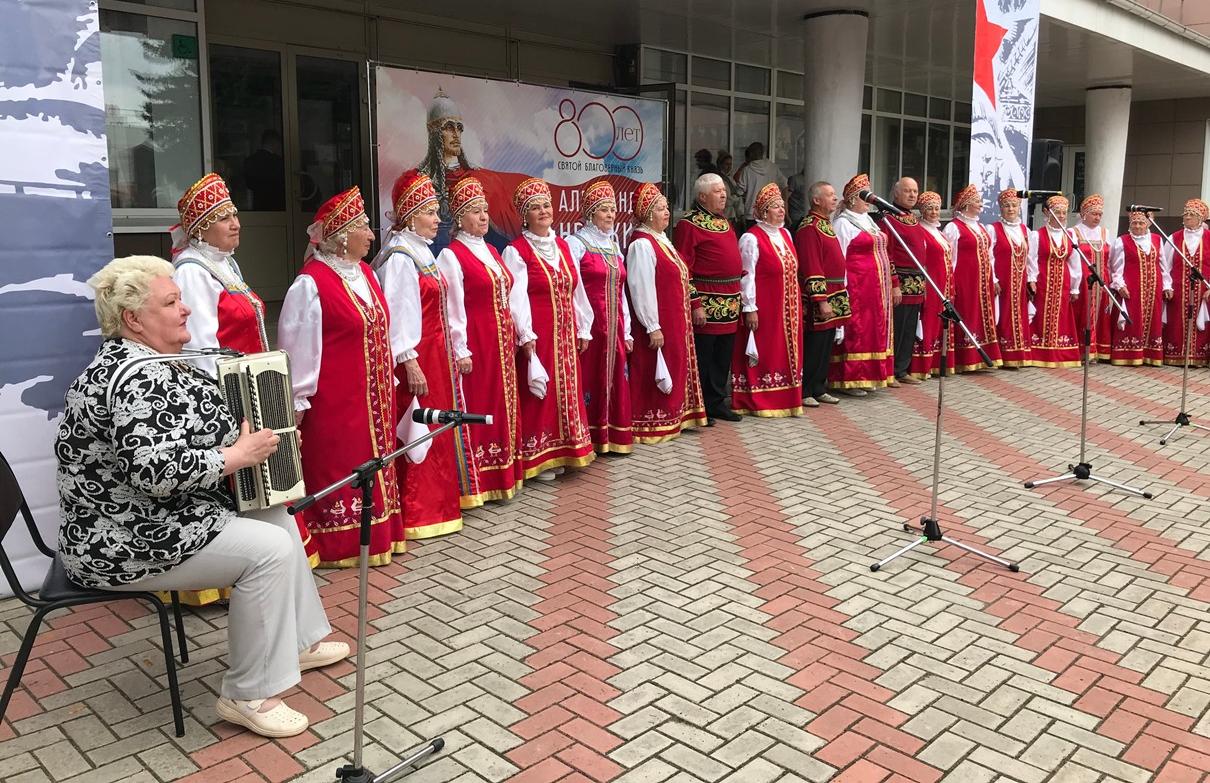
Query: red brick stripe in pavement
[[1145, 455], [566, 732], [850, 707], [1130, 713], [1162, 556]]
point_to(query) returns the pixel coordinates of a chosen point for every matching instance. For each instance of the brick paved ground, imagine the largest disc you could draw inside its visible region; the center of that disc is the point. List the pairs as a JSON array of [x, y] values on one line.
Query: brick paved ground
[[703, 611]]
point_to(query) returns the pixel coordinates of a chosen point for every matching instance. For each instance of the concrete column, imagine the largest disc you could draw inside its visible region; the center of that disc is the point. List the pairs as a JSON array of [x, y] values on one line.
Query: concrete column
[[834, 49], [1106, 124]]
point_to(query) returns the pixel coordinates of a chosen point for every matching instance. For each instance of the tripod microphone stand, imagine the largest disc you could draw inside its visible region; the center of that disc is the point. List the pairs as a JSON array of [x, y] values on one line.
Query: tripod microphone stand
[[362, 478], [1195, 276], [1082, 470], [930, 525]]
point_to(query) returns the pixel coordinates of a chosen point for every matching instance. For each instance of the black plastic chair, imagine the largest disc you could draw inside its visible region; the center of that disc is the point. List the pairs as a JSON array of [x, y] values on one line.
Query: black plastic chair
[[59, 592]]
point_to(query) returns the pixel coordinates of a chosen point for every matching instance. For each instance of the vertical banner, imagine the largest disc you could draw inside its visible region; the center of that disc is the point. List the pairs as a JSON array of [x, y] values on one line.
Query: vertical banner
[[54, 207], [452, 127], [1002, 113]]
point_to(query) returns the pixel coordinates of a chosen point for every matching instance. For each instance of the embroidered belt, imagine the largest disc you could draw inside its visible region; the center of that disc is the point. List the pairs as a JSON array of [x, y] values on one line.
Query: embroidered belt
[[720, 308]]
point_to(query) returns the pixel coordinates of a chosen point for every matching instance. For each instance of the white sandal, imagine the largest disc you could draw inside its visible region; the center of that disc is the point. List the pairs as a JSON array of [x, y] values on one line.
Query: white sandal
[[326, 654], [281, 721]]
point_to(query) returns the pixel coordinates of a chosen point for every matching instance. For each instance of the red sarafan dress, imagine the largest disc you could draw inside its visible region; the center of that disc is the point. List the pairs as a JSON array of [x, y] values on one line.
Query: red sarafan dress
[[1011, 251], [1095, 244], [480, 286], [773, 386], [974, 293], [1056, 341], [1134, 262], [658, 282], [428, 475], [926, 356], [604, 383], [864, 359], [352, 414], [554, 427], [1175, 309]]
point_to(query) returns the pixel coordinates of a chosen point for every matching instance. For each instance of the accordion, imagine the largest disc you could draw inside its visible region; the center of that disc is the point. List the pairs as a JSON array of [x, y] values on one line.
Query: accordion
[[257, 387]]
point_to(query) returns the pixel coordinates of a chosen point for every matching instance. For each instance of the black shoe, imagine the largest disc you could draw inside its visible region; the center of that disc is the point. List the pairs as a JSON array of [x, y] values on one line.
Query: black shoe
[[709, 421], [727, 415]]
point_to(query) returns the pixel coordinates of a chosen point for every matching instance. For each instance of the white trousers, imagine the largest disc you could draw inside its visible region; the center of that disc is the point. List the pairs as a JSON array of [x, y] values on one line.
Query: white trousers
[[275, 610]]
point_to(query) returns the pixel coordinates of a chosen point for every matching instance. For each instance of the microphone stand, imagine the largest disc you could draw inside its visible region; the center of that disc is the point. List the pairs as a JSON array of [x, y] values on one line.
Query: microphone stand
[[362, 477], [1082, 470], [930, 525], [1195, 276]]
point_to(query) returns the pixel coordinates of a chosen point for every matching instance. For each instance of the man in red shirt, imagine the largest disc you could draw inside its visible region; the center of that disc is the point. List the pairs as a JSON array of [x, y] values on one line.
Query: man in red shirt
[[710, 249]]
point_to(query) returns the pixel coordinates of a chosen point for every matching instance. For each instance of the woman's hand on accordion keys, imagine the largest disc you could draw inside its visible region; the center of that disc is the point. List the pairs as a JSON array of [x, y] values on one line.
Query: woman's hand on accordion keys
[[252, 448]]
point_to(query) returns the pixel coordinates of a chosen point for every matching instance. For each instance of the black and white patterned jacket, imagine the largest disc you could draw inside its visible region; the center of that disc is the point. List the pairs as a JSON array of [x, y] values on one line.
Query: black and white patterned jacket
[[141, 485]]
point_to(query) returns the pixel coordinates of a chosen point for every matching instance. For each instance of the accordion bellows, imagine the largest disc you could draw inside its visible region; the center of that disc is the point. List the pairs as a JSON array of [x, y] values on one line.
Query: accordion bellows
[[257, 387]]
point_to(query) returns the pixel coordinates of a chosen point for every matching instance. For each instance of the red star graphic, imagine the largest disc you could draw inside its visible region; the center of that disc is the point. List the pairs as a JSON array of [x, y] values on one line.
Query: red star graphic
[[987, 42]]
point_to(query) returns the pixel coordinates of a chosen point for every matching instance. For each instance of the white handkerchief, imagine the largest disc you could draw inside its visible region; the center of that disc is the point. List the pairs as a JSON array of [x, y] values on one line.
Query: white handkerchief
[[919, 328], [839, 335], [996, 310], [751, 352], [1164, 312], [1203, 315], [537, 378], [1033, 310], [407, 431], [663, 379]]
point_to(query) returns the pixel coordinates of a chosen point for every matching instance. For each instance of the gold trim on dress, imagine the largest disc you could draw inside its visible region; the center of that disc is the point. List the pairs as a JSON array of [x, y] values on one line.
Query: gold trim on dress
[[433, 530]]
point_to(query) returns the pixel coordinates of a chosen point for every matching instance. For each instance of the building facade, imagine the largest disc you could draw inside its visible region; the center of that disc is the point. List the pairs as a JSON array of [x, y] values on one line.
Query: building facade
[[275, 94]]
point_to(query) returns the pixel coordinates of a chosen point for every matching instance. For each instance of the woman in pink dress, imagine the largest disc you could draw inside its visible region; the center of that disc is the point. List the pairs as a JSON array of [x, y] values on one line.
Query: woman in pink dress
[[603, 381], [975, 283], [926, 357], [1010, 248], [865, 358], [554, 425], [489, 319]]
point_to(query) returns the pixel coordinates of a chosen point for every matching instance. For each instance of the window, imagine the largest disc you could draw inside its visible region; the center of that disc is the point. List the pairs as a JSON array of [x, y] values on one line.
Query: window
[[961, 168], [912, 156], [789, 85], [711, 73], [248, 154], [937, 177], [152, 108], [790, 141], [752, 79], [890, 101], [887, 150], [751, 125], [939, 109], [863, 156], [915, 105], [660, 66], [709, 124]]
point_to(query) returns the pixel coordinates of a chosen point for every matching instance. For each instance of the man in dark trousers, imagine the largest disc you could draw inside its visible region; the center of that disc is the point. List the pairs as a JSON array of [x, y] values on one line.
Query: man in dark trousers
[[710, 249], [908, 282], [825, 300]]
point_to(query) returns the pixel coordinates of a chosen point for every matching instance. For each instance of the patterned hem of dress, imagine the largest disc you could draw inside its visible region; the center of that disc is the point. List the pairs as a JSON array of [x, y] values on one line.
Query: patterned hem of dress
[[1136, 362], [1040, 363], [381, 559], [783, 413], [560, 462], [433, 530], [978, 366], [474, 501], [613, 448], [859, 384], [1181, 362], [1016, 362]]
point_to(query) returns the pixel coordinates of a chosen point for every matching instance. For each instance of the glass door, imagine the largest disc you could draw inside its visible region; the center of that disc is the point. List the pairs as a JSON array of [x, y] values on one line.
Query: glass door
[[328, 138]]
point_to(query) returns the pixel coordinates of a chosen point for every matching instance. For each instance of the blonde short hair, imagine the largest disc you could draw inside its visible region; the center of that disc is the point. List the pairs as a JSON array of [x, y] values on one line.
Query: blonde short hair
[[124, 284]]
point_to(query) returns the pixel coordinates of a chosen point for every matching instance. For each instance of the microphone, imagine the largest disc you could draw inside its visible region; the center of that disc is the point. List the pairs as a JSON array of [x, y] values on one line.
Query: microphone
[[1038, 193], [438, 416], [1143, 208], [881, 203]]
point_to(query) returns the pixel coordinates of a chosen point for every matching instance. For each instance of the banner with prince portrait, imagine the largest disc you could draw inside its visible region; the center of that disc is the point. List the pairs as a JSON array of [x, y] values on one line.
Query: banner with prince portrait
[[501, 132]]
